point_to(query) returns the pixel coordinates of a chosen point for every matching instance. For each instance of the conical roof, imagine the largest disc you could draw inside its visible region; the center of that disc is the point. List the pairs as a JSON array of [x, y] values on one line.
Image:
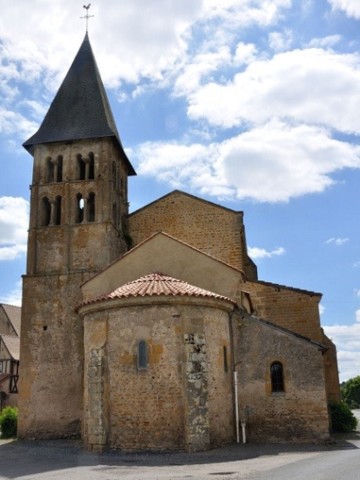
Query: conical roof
[[80, 109], [157, 284]]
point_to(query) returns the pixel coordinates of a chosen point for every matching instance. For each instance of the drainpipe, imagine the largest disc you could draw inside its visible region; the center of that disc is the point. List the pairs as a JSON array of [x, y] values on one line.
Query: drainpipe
[[236, 407], [243, 431]]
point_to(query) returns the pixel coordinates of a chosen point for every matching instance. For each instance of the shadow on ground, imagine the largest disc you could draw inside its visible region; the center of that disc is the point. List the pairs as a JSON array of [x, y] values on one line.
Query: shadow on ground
[[19, 458]]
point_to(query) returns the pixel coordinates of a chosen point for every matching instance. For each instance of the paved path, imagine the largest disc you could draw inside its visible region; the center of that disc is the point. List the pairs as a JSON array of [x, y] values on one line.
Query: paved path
[[55, 460]]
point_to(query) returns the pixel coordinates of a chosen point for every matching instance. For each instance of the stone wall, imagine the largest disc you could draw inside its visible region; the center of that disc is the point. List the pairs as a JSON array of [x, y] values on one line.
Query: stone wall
[[299, 413], [51, 364], [215, 230], [65, 247], [180, 400], [331, 371], [290, 308]]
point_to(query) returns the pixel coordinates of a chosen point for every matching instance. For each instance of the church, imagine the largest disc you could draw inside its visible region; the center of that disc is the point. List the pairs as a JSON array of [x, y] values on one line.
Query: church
[[151, 330]]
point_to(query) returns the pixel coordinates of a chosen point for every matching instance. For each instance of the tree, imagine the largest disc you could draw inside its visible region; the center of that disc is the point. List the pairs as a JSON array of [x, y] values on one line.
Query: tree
[[350, 391]]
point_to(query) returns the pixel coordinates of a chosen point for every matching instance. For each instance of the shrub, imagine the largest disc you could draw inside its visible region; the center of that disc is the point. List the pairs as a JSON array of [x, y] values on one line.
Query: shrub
[[342, 418], [350, 391], [8, 422]]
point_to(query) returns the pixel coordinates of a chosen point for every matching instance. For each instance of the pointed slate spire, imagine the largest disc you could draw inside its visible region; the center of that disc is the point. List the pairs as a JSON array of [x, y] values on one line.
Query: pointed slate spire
[[80, 109]]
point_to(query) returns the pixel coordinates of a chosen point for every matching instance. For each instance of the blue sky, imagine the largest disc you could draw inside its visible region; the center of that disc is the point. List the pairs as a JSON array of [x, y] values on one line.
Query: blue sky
[[253, 104]]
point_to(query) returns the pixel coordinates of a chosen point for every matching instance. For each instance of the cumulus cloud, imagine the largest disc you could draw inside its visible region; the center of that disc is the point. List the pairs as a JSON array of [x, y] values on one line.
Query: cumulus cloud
[[313, 86], [347, 340], [14, 297], [280, 41], [257, 253], [246, 12], [325, 42], [350, 7], [337, 241], [14, 213], [270, 163]]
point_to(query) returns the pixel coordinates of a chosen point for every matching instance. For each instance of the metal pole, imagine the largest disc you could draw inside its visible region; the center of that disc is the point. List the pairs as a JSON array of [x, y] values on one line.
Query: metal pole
[[236, 407]]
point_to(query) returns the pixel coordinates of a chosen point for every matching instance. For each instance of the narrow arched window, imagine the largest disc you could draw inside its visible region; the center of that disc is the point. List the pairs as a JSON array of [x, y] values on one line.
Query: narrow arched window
[[79, 212], [91, 207], [45, 212], [91, 173], [58, 210], [59, 172], [80, 167], [49, 170], [277, 377], [142, 356]]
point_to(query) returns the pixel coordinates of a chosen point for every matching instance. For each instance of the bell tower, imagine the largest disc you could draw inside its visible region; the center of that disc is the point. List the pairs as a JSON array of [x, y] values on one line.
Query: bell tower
[[78, 225]]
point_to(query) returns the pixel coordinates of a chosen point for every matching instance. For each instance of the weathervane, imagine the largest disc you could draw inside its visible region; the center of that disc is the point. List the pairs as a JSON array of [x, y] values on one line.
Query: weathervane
[[87, 16]]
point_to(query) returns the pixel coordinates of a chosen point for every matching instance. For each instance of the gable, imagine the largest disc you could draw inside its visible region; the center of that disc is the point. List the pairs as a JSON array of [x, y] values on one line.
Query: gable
[[10, 319], [165, 254], [211, 228]]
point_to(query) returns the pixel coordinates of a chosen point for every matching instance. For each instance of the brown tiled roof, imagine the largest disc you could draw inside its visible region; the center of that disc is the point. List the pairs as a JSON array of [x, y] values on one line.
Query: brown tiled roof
[[157, 284], [12, 345], [14, 315]]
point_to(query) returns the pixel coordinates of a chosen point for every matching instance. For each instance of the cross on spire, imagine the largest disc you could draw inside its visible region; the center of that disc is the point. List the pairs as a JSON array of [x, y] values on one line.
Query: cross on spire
[[87, 16]]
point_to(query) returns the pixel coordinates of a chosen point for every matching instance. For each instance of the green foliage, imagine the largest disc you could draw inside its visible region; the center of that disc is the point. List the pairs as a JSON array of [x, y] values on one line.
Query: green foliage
[[8, 422], [342, 418], [350, 392]]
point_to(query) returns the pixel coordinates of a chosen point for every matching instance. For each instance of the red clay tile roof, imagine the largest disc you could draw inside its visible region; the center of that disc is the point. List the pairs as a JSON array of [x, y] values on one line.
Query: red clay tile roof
[[157, 284]]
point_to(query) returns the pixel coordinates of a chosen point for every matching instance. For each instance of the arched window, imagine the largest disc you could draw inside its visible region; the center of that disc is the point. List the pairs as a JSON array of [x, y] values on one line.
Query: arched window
[[58, 210], [59, 172], [45, 212], [80, 167], [49, 170], [91, 172], [277, 377], [142, 356], [91, 207], [79, 212]]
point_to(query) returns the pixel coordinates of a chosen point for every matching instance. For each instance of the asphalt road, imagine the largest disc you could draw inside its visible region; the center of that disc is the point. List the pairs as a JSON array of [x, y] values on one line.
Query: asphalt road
[[55, 460], [67, 460]]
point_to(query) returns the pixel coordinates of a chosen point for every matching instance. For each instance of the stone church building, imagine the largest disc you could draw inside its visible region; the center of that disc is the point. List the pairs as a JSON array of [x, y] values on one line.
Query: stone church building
[[151, 330]]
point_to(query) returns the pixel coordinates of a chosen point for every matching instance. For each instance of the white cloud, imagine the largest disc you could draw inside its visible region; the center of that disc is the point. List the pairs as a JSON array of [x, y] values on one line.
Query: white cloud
[[245, 53], [350, 7], [246, 12], [280, 41], [321, 309], [258, 253], [15, 123], [325, 42], [14, 297], [202, 65], [13, 227], [337, 241], [357, 292], [347, 341], [272, 163], [312, 86]]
